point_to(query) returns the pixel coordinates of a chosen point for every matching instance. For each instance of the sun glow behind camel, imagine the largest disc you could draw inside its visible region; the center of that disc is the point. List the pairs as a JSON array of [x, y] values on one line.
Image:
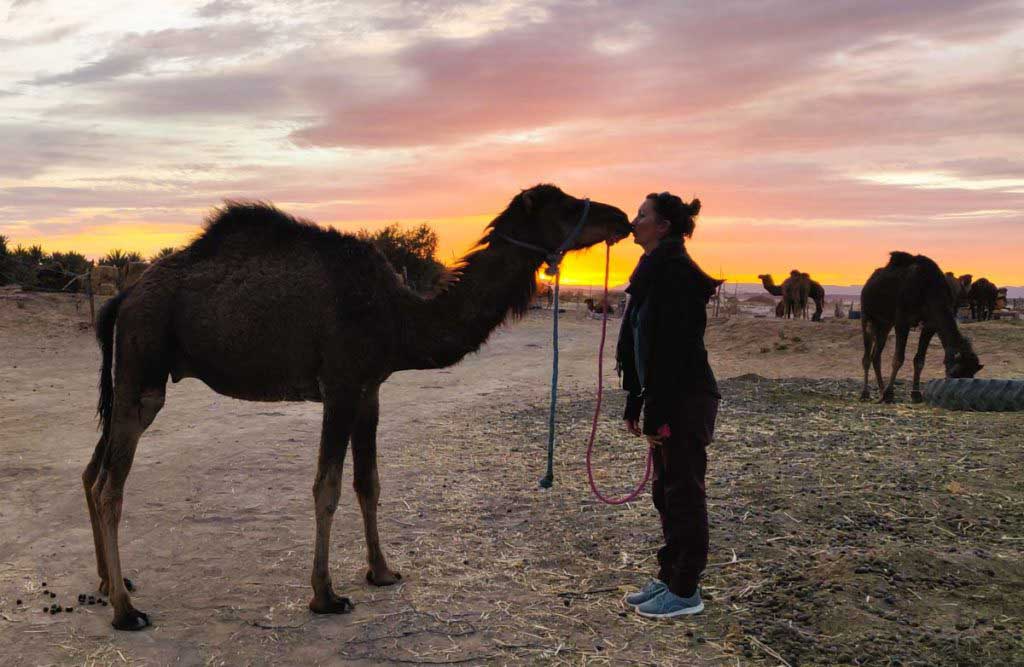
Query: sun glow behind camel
[[819, 136]]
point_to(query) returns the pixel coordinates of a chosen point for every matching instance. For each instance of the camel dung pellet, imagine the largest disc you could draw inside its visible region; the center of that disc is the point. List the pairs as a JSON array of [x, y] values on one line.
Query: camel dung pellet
[[44, 584], [69, 609], [18, 601], [52, 594]]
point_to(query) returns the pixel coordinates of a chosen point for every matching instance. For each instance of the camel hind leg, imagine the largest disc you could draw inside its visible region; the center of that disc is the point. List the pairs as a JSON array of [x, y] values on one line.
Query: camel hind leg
[[367, 487], [133, 413], [89, 475], [866, 332], [880, 335]]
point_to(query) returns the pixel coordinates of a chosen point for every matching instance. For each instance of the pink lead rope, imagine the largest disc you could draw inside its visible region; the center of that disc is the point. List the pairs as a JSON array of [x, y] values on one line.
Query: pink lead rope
[[597, 411]]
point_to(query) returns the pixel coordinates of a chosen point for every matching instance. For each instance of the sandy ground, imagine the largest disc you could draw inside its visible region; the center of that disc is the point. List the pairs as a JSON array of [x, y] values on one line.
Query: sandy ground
[[218, 524]]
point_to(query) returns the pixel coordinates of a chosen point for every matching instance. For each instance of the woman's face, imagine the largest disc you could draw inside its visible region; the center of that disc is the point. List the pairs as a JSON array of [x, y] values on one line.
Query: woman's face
[[648, 228]]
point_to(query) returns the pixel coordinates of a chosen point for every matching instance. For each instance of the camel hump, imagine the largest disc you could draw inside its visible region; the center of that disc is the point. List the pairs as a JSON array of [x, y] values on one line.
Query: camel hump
[[260, 223], [898, 258]]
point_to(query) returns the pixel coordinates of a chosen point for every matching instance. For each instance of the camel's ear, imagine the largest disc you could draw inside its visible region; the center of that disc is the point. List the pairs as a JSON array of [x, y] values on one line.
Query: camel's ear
[[526, 197]]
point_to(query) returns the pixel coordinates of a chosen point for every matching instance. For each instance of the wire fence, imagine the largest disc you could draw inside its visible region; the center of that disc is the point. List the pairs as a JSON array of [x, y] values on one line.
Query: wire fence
[[35, 271]]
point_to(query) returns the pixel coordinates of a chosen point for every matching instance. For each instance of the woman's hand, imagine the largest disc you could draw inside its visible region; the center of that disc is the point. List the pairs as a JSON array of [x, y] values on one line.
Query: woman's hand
[[633, 426], [664, 433]]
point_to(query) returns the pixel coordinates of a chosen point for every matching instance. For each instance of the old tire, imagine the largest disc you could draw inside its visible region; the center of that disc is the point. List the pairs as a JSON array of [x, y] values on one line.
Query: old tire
[[977, 395]]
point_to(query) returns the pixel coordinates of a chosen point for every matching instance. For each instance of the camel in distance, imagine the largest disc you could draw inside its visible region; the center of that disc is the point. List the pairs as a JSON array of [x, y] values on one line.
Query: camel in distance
[[982, 297], [266, 307], [793, 305], [911, 290]]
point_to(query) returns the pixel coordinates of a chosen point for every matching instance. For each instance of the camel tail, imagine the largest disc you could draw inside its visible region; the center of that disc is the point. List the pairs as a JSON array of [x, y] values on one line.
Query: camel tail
[[105, 321]]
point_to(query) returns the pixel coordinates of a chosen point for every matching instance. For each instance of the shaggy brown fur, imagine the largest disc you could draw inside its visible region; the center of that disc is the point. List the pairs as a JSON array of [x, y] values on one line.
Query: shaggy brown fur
[[266, 307], [908, 291]]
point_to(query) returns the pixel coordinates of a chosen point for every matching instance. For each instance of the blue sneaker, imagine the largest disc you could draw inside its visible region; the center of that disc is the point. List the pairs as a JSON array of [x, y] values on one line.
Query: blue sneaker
[[670, 605], [653, 589]]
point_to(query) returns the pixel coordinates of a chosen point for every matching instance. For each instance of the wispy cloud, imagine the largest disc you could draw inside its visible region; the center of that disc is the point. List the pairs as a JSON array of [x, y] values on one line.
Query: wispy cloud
[[797, 124]]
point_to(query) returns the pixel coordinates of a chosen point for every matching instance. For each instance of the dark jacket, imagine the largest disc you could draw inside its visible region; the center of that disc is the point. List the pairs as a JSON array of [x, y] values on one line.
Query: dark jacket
[[660, 354]]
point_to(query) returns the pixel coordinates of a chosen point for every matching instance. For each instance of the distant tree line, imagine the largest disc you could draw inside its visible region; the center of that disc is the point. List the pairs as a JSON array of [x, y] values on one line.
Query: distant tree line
[[411, 253], [32, 267]]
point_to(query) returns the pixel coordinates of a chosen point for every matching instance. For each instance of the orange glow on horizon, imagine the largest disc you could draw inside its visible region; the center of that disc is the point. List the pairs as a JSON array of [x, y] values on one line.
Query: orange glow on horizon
[[735, 252]]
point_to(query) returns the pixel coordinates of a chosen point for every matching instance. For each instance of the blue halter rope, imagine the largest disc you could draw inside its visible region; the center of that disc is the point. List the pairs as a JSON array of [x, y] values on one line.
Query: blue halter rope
[[554, 261]]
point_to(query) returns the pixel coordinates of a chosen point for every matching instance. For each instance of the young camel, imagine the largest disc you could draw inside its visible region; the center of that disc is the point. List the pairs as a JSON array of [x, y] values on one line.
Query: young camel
[[265, 307], [911, 290]]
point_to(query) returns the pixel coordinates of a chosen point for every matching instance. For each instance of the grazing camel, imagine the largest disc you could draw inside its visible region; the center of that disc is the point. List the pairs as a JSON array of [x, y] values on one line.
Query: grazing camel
[[795, 291], [817, 294], [982, 297], [908, 291], [814, 291], [265, 307]]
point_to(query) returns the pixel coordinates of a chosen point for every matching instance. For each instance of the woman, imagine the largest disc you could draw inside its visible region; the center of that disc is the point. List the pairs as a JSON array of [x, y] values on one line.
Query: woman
[[664, 366]]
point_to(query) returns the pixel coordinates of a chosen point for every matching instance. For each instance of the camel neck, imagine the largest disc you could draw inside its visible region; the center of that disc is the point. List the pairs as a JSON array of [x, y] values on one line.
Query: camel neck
[[494, 282], [947, 330]]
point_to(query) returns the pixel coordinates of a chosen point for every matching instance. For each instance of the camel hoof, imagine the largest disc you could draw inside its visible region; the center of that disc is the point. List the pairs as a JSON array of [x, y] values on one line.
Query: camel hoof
[[887, 397], [334, 604], [388, 578], [131, 621], [104, 587], [865, 395], [916, 397]]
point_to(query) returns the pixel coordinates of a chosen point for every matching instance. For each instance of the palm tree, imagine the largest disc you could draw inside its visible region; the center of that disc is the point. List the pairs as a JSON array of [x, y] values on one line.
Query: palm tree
[[120, 258], [163, 252]]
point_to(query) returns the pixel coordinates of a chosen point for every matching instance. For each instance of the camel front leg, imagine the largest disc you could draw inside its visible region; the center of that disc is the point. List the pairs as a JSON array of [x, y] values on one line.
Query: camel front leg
[[367, 487], [865, 394], [881, 337], [898, 355], [922, 350], [339, 414], [131, 417]]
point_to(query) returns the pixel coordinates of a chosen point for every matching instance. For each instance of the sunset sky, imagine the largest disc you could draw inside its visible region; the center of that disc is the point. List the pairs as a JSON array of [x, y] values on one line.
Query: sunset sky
[[819, 135]]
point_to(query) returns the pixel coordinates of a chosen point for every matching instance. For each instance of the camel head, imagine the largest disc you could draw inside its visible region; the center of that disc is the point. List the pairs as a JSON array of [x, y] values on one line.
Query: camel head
[[547, 217], [962, 362], [764, 276]]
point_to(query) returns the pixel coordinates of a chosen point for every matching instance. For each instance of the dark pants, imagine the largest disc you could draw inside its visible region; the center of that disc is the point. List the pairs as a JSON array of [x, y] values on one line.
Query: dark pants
[[679, 467]]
